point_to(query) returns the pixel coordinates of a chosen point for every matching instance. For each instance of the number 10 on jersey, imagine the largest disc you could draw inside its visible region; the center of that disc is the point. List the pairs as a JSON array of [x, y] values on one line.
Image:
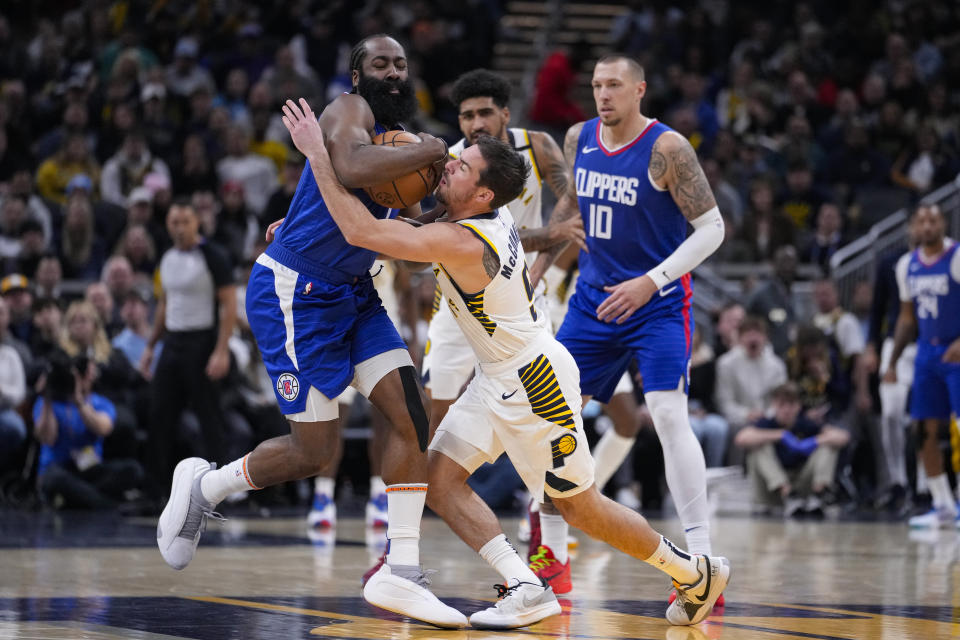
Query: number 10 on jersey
[[601, 221]]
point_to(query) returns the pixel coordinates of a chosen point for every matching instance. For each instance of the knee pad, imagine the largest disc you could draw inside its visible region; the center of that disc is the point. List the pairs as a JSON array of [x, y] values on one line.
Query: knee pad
[[415, 406]]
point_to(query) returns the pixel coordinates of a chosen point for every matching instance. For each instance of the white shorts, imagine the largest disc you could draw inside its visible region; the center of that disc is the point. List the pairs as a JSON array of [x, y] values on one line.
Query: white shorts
[[528, 407], [449, 360], [904, 364], [366, 375]]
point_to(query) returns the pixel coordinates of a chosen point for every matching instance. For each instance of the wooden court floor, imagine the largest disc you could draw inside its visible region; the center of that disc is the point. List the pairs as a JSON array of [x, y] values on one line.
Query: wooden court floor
[[100, 577]]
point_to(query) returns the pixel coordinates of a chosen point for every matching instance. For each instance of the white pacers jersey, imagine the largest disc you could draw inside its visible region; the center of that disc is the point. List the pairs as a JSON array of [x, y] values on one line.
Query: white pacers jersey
[[501, 321], [525, 208]]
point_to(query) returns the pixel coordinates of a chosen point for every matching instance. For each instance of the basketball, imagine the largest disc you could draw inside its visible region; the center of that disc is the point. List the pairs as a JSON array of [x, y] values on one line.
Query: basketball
[[406, 190]]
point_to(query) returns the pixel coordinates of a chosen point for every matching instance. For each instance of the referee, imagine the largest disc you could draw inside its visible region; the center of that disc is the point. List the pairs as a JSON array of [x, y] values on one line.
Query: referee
[[195, 316]]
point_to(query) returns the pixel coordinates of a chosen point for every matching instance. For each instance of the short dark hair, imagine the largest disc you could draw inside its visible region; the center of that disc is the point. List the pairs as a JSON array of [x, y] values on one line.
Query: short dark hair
[[753, 323], [359, 51], [182, 202], [506, 172], [632, 63], [787, 392], [480, 83]]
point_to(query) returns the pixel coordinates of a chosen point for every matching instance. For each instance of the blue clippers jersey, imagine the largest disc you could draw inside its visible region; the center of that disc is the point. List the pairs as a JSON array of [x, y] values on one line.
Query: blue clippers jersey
[[309, 231], [631, 226], [935, 293]]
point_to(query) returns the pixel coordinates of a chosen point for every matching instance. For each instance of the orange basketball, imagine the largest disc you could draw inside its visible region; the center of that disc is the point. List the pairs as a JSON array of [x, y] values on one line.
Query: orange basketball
[[406, 190]]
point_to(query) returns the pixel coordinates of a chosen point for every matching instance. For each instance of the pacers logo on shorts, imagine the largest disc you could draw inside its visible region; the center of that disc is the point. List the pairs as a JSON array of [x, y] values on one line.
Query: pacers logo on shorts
[[288, 386], [561, 448]]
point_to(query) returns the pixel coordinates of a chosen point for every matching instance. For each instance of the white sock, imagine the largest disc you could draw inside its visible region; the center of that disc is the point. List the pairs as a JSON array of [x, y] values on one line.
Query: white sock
[[940, 492], [697, 535], [609, 454], [323, 486], [377, 486], [404, 510], [219, 483], [553, 534], [501, 555], [677, 564]]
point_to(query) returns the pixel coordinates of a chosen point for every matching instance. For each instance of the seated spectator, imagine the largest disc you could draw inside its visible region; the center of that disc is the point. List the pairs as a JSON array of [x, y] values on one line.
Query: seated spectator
[[765, 228], [132, 340], [71, 423], [138, 247], [117, 275], [127, 168], [791, 459], [55, 173], [925, 164], [773, 300], [236, 228], [827, 239], [710, 428], [825, 388], [185, 76], [801, 199], [48, 277], [47, 327], [194, 171], [746, 374], [32, 248], [82, 251], [13, 389], [257, 174], [22, 186], [100, 297], [17, 327], [726, 330], [13, 213]]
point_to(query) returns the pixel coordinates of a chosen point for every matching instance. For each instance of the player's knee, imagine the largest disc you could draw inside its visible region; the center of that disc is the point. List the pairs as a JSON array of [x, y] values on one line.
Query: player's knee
[[668, 410]]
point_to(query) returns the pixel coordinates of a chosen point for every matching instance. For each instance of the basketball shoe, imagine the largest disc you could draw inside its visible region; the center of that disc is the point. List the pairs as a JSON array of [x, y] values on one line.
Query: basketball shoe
[[695, 601], [185, 516], [519, 604], [403, 589], [377, 511], [721, 601], [549, 569], [934, 518], [323, 512]]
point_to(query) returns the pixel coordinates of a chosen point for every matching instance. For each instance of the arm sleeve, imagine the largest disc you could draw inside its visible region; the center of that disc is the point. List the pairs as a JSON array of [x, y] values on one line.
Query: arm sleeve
[[902, 265], [699, 245]]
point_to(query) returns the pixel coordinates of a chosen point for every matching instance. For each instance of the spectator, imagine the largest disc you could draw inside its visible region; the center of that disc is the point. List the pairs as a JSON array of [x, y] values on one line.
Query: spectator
[[194, 171], [765, 228], [185, 76], [726, 331], [21, 186], [82, 251], [32, 248], [257, 174], [98, 295], [236, 227], [47, 328], [925, 164], [855, 164], [71, 422], [48, 277], [827, 238], [746, 374], [789, 457], [56, 172], [75, 122], [728, 199], [138, 247], [773, 301], [553, 108], [818, 370], [13, 213], [158, 129], [13, 390], [234, 96], [132, 340], [127, 168], [801, 199], [17, 299], [282, 196]]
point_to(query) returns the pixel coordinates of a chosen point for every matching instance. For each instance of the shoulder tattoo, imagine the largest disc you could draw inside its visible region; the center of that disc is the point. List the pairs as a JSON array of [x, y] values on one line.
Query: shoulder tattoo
[[491, 261]]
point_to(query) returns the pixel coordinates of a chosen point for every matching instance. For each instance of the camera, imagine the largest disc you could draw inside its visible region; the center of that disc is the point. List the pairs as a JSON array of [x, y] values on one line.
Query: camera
[[61, 383]]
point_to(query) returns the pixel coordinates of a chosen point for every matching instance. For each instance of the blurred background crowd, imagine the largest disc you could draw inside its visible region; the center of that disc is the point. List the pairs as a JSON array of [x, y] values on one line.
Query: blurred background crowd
[[813, 121]]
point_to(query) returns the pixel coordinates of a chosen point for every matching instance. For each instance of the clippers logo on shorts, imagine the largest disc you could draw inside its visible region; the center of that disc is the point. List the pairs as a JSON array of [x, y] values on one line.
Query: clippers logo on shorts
[[561, 448], [288, 386], [543, 392]]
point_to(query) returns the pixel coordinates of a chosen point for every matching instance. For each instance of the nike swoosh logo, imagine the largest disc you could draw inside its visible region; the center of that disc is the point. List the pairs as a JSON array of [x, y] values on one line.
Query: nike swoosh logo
[[589, 149], [690, 529], [508, 395], [664, 292]]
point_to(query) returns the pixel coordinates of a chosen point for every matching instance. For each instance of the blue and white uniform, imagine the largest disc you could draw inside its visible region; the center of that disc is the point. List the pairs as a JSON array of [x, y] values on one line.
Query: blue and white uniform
[[934, 289], [313, 309], [631, 227]]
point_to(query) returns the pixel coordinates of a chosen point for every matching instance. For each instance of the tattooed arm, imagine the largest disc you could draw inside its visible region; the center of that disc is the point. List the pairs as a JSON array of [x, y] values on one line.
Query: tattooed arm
[[673, 166], [566, 211], [557, 175]]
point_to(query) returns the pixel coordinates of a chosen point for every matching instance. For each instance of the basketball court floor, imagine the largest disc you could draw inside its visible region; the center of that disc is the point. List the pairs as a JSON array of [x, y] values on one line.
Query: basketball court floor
[[101, 576]]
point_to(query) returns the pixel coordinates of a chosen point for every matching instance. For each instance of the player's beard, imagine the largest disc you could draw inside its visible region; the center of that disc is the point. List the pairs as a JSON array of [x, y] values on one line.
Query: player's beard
[[388, 108]]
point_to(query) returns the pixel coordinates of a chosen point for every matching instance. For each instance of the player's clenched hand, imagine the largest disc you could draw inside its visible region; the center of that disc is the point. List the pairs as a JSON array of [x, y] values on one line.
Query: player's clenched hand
[[442, 155], [304, 128], [272, 229], [625, 298]]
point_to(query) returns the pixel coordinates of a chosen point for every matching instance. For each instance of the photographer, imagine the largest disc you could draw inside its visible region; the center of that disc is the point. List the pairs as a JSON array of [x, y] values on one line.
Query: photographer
[[71, 423]]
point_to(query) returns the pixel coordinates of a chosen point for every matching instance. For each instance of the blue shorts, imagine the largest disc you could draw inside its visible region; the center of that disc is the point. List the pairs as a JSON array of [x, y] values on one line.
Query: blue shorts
[[659, 340], [312, 332], [936, 384]]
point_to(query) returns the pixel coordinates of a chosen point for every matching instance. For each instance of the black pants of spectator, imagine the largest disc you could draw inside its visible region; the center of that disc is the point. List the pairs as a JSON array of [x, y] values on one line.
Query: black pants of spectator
[[99, 487], [181, 381]]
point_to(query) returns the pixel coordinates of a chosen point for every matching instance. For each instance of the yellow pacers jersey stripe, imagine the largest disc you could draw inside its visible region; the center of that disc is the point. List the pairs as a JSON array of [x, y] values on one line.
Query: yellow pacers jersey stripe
[[543, 392], [474, 302]]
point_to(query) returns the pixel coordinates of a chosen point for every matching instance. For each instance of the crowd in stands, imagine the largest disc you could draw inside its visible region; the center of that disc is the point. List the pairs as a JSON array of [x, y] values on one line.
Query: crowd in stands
[[812, 120]]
